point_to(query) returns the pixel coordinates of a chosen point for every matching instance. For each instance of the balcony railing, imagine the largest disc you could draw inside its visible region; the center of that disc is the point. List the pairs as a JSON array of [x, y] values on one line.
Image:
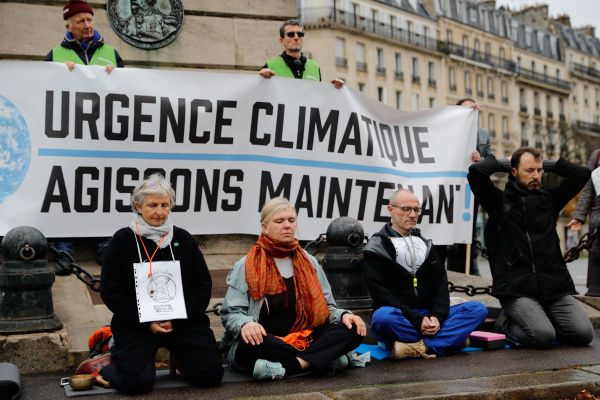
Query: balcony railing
[[561, 117], [538, 77], [491, 96], [341, 61], [523, 109], [537, 111], [431, 82], [480, 93], [468, 91], [506, 135], [524, 142], [588, 126], [453, 87], [399, 75], [549, 114], [381, 71], [476, 55], [582, 69], [320, 15], [504, 99], [416, 79], [361, 66]]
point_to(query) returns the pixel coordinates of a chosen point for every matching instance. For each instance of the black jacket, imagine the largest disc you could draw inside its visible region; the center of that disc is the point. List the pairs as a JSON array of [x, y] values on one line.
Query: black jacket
[[85, 54], [117, 280], [523, 247], [391, 284]]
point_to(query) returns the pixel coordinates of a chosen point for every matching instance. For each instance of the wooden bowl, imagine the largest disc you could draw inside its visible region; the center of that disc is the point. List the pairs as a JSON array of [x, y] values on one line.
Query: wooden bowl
[[82, 382]]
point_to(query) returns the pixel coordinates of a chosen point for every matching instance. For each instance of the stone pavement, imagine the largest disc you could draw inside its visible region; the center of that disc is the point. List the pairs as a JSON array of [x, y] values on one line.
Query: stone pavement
[[502, 374], [513, 374]]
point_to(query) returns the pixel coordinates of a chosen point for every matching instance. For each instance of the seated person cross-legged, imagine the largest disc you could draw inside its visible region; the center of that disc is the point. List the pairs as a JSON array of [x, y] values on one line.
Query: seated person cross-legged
[[151, 248], [279, 315], [409, 288]]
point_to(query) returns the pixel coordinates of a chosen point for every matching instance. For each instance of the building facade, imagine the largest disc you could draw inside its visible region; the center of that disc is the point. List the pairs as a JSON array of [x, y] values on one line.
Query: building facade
[[536, 78], [386, 50]]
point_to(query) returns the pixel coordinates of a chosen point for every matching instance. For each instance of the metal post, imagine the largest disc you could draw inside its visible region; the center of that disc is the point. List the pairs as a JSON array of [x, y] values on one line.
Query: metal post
[[26, 284]]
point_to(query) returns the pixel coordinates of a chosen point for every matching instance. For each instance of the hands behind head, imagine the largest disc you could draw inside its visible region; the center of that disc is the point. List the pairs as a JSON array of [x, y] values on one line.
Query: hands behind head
[[430, 326], [350, 319]]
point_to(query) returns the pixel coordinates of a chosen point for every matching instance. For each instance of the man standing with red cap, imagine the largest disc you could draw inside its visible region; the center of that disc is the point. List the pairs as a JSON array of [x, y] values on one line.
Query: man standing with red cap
[[85, 46], [82, 43]]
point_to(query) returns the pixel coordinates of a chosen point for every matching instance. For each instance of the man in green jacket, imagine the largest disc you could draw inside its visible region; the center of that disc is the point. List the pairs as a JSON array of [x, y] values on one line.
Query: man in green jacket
[[82, 43], [291, 63]]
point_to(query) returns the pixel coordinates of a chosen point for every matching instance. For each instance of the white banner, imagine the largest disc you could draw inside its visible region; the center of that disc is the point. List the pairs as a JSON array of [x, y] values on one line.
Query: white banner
[[74, 144]]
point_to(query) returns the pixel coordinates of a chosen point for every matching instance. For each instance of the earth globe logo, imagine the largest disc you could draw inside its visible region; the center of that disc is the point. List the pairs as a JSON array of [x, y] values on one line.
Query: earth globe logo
[[15, 148]]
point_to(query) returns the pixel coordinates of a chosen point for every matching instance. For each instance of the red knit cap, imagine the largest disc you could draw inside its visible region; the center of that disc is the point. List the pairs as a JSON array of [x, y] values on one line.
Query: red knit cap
[[75, 7]]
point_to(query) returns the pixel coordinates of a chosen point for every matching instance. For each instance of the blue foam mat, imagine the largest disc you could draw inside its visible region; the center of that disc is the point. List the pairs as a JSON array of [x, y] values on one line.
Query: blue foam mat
[[380, 353]]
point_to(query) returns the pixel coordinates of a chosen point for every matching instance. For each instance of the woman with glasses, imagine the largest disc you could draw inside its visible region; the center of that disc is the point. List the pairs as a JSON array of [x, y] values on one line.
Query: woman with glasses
[[279, 315], [409, 287], [156, 283]]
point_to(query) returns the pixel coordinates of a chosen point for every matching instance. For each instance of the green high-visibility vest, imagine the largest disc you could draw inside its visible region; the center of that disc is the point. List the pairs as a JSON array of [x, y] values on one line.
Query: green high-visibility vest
[[104, 55], [278, 65]]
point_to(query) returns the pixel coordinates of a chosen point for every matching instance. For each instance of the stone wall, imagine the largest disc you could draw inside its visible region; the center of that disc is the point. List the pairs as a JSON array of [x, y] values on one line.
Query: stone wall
[[216, 34]]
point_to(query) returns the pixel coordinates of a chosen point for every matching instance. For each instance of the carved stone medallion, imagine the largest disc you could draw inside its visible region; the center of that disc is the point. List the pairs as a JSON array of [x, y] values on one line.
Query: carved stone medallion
[[147, 24]]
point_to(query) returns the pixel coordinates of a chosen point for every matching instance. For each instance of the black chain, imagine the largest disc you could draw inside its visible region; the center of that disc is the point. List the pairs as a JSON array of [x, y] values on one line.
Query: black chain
[[469, 290], [66, 262], [311, 247], [584, 243], [482, 250], [216, 309]]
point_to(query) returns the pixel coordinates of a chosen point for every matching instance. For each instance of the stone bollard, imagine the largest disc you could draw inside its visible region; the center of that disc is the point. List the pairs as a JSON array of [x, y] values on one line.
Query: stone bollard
[[25, 284], [345, 239]]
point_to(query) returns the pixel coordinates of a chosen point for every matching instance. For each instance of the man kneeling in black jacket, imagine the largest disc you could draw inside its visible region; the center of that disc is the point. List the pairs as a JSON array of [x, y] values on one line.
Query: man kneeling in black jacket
[[530, 278]]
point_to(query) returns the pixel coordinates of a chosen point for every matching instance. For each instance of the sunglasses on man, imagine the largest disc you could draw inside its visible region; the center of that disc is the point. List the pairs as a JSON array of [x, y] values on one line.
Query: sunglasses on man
[[292, 34]]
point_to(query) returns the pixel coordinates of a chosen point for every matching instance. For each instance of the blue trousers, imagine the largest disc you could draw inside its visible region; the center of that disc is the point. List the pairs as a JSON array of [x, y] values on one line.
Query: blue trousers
[[389, 325]]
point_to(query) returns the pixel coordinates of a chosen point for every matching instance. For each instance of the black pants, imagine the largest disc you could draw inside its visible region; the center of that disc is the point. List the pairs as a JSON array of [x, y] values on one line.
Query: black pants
[[192, 345], [329, 342]]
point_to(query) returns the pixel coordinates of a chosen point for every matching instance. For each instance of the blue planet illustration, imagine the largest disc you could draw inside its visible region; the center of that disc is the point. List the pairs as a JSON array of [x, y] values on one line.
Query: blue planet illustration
[[15, 148]]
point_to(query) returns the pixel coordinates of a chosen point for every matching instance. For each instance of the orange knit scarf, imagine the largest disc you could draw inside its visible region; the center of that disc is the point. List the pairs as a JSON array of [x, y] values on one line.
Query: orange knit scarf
[[263, 279]]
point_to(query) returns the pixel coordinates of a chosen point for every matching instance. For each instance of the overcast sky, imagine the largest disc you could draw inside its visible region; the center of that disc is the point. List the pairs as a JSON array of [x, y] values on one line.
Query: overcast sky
[[582, 12]]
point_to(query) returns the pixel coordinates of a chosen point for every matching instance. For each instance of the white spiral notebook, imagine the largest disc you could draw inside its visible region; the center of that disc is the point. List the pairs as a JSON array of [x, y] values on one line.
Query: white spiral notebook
[[160, 296]]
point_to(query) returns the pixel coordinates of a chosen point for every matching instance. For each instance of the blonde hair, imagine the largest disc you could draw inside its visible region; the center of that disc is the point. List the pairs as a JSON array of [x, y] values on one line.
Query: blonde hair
[[154, 184], [273, 206]]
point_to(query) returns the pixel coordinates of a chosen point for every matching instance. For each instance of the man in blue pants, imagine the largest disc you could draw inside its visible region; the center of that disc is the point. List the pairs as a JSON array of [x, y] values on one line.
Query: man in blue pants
[[409, 287]]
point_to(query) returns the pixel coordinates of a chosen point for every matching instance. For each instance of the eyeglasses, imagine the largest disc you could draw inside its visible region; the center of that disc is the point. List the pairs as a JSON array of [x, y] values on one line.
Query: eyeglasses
[[407, 209], [292, 34]]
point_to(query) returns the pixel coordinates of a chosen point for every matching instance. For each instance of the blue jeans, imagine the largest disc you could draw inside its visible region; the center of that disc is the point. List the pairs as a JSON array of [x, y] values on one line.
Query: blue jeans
[[537, 324], [389, 325]]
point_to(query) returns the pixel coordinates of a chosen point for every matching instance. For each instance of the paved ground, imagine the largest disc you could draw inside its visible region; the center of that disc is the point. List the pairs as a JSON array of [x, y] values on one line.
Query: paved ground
[[559, 371], [514, 374]]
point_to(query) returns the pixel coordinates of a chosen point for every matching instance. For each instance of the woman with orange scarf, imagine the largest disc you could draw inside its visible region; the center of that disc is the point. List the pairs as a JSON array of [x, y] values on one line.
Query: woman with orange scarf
[[279, 315]]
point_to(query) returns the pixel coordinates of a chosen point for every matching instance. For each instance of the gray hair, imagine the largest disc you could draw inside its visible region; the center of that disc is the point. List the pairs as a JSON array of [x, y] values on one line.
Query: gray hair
[[273, 206], [154, 184], [397, 192]]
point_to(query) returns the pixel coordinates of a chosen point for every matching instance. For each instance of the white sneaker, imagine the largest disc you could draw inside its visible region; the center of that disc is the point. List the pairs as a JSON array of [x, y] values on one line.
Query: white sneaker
[[266, 370]]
